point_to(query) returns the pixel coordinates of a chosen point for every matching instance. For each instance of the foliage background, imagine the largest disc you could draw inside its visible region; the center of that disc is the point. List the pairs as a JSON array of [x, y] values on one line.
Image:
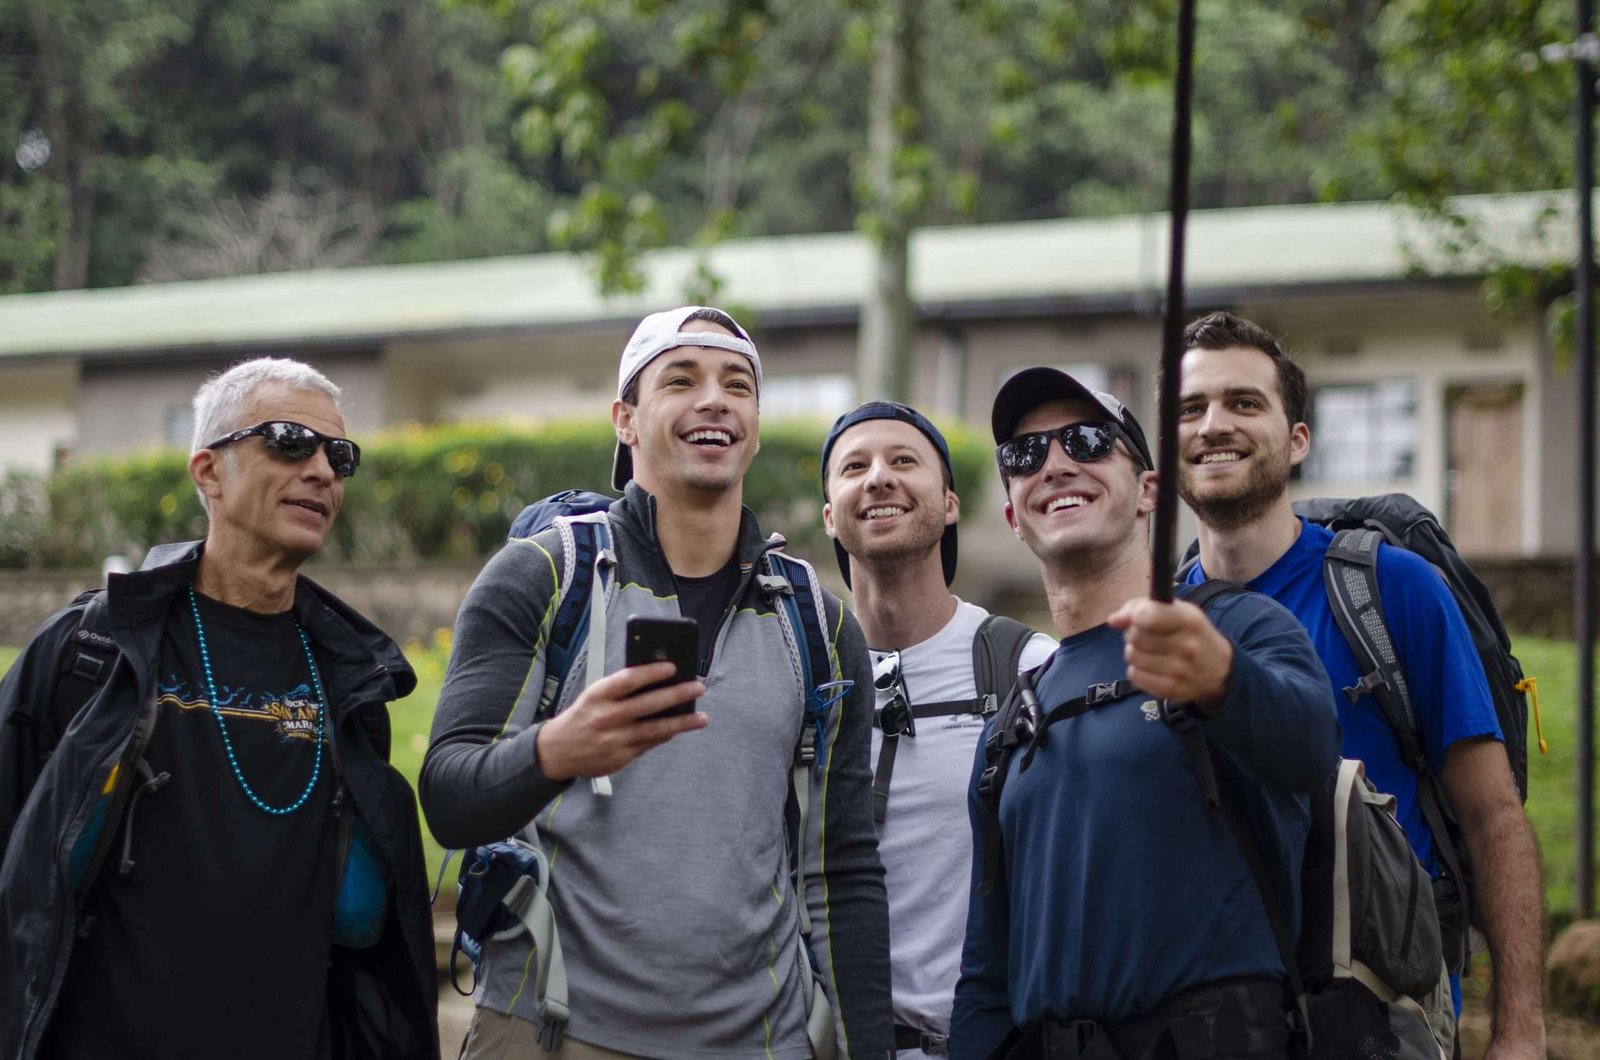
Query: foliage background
[[421, 493], [170, 139]]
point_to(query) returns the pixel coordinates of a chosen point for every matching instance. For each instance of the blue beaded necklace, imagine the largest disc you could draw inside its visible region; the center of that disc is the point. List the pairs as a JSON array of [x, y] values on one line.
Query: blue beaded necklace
[[227, 743]]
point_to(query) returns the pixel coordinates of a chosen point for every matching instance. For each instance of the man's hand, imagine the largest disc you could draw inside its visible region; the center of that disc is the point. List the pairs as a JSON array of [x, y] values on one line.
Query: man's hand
[[1174, 652], [602, 731]]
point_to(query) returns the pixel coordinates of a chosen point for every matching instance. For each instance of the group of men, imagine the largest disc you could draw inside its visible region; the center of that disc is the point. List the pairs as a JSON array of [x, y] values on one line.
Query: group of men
[[707, 869]]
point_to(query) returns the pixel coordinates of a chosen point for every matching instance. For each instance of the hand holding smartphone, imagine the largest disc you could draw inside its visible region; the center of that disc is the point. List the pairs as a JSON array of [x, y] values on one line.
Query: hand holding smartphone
[[674, 640]]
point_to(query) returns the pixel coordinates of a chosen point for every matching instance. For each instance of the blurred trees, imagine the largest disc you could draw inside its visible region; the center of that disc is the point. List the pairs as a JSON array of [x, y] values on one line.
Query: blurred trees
[[162, 139]]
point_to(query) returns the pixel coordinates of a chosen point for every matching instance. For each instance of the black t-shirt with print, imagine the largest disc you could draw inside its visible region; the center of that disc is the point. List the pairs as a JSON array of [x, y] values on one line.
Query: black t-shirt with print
[[217, 943], [706, 601]]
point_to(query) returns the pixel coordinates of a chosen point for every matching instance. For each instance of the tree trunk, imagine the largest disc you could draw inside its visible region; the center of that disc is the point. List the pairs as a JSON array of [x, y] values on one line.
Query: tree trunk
[[883, 358]]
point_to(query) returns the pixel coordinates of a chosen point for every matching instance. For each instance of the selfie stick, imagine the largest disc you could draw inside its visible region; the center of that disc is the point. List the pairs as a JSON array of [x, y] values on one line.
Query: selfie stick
[[1166, 532]]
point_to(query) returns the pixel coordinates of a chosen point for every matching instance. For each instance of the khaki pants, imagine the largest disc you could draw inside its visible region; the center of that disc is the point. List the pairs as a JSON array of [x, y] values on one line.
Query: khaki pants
[[497, 1036]]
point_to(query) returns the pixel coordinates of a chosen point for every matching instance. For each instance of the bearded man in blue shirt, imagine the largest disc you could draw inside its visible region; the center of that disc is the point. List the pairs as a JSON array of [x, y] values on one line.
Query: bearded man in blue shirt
[[1242, 427]]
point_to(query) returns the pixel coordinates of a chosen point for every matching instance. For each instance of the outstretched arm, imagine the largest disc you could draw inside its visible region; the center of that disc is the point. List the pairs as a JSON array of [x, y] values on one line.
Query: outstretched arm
[[1250, 668]]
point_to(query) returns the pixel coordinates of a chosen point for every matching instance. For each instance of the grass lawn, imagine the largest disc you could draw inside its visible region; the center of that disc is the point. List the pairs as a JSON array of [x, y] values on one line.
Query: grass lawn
[[1552, 780]]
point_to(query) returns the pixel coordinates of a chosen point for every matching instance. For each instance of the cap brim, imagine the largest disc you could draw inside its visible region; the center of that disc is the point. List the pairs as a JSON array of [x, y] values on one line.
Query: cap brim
[[1029, 389]]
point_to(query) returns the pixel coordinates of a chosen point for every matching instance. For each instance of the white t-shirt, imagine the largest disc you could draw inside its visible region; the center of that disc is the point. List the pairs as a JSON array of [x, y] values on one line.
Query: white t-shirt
[[925, 839]]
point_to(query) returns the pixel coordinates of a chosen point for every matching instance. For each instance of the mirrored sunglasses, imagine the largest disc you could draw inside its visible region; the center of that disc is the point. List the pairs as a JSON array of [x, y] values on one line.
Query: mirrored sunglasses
[[1083, 442], [292, 441]]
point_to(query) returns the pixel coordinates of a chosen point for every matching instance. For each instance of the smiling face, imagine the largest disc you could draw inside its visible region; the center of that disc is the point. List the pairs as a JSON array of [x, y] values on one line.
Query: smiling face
[[1234, 438], [695, 426], [887, 499], [1069, 511], [263, 505]]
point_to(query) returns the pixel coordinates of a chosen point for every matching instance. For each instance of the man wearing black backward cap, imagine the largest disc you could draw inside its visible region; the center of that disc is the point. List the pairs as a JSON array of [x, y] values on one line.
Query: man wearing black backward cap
[[1113, 917], [891, 511]]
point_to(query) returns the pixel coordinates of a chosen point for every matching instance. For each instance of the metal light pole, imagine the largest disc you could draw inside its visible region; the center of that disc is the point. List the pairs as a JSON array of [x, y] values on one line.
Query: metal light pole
[[1584, 51], [1584, 605]]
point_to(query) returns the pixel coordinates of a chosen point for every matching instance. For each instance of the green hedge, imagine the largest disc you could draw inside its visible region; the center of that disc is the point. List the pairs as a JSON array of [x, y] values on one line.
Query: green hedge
[[445, 492]]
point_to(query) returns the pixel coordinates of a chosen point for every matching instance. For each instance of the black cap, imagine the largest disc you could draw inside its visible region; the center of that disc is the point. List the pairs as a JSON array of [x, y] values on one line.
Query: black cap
[[1032, 387], [893, 410]]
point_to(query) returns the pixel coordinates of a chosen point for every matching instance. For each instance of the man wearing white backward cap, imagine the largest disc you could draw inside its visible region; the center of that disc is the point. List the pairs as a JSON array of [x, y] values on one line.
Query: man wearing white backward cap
[[672, 895]]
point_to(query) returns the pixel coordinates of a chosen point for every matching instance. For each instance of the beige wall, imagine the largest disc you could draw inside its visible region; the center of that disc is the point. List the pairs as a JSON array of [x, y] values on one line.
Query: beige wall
[[36, 415], [1439, 342], [127, 407], [1437, 338]]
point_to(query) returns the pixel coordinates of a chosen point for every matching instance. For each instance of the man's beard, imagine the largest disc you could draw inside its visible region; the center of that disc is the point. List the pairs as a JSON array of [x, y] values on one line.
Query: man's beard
[[1264, 484], [923, 535]]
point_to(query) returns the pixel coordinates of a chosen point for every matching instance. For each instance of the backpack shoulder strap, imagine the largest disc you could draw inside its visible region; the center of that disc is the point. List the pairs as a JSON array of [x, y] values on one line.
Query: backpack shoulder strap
[[1012, 726], [792, 585], [83, 665], [996, 653], [580, 614], [1350, 575]]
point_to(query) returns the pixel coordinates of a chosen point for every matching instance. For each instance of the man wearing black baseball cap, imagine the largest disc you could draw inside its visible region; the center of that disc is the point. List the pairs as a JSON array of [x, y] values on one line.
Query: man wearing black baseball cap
[[940, 665], [1113, 916]]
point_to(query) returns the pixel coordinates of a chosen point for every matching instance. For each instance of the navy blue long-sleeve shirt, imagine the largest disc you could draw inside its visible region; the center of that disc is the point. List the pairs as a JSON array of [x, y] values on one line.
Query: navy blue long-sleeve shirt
[[1120, 888]]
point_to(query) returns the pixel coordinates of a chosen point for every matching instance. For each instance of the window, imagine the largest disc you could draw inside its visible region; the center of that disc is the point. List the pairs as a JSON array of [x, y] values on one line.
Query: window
[[1363, 432]]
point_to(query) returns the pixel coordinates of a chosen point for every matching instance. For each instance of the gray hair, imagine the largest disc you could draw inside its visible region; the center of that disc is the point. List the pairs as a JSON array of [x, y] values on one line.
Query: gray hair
[[223, 402]]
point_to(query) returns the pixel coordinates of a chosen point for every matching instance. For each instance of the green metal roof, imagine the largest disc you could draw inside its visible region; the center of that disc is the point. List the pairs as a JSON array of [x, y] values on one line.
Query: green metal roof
[[1257, 249]]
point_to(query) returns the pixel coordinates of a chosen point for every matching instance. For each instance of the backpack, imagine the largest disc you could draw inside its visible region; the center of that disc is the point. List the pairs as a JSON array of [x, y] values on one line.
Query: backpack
[[1351, 578], [996, 650], [1366, 975], [503, 885]]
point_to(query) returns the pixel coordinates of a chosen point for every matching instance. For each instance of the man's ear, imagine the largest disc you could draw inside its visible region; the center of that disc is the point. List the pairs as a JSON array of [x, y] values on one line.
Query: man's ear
[[827, 519], [622, 422], [205, 471], [1147, 491], [1299, 443], [1011, 519], [952, 508]]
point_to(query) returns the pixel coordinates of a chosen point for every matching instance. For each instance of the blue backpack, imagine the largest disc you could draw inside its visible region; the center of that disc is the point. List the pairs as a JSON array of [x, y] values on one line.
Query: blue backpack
[[504, 885]]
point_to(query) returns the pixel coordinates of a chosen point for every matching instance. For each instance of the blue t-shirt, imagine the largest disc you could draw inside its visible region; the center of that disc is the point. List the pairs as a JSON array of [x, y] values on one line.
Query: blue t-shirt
[[1448, 689], [1120, 889]]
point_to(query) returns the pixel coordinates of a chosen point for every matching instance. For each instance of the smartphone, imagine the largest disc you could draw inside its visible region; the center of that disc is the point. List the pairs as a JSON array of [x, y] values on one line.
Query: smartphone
[[674, 640]]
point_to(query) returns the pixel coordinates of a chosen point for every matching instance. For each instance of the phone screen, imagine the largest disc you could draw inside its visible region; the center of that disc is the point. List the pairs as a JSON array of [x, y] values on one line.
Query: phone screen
[[674, 640]]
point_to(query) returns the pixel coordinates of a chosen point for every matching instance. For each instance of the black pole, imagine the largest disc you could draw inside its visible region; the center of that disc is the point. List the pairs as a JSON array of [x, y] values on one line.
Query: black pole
[[1584, 607], [1166, 532]]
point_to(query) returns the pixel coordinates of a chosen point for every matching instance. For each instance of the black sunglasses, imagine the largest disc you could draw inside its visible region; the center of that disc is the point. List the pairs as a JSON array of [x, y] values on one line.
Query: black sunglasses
[[895, 719], [1083, 442], [294, 441]]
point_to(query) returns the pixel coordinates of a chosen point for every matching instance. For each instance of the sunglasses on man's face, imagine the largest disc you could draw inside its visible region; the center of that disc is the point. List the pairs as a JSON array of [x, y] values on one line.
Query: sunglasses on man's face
[[295, 442], [1083, 442]]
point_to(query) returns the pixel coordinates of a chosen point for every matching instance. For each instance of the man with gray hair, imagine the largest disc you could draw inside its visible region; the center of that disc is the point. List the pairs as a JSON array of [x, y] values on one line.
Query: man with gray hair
[[267, 899]]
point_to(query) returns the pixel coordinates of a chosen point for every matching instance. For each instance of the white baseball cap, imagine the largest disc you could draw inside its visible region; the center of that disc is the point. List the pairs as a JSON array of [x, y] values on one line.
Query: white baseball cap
[[655, 335]]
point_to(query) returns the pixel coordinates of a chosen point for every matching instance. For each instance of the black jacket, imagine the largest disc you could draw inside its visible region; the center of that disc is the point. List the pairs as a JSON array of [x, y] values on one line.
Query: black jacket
[[54, 774]]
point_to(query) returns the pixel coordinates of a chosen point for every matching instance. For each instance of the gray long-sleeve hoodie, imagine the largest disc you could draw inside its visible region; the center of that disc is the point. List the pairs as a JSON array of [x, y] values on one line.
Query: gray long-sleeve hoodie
[[673, 895]]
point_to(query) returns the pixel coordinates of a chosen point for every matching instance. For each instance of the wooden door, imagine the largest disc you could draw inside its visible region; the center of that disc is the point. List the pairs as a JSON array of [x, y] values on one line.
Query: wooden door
[[1483, 512]]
